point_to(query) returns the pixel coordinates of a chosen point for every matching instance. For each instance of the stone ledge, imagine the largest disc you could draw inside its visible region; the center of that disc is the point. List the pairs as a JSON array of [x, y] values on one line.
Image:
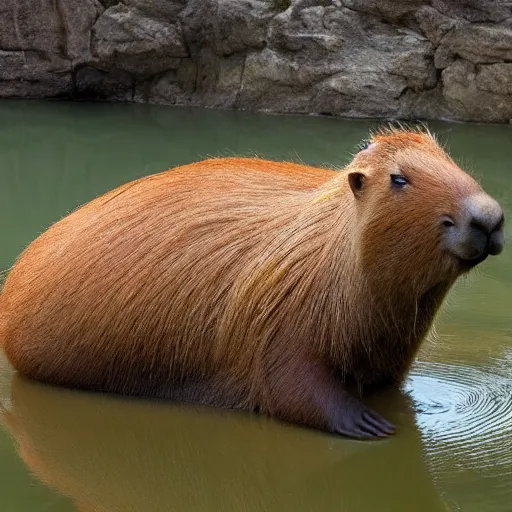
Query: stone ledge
[[354, 58]]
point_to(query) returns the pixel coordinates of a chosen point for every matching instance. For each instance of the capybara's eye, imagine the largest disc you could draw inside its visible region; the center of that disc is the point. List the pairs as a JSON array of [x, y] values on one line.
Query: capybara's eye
[[399, 180]]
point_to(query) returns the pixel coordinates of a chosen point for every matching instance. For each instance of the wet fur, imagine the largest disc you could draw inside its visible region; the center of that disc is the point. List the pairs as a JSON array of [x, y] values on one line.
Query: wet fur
[[231, 281]]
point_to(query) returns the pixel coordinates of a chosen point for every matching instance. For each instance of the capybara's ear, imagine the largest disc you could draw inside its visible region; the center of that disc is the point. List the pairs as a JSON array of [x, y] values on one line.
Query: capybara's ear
[[356, 182]]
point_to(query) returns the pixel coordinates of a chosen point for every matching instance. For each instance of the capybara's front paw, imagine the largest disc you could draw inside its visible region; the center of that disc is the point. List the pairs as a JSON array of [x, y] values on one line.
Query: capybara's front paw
[[359, 422]]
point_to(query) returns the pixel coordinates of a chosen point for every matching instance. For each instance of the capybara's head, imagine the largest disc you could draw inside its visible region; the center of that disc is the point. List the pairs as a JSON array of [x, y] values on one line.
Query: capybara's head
[[419, 214]]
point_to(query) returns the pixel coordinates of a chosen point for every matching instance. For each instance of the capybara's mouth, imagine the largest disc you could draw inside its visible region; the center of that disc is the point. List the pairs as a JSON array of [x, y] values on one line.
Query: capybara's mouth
[[469, 264]]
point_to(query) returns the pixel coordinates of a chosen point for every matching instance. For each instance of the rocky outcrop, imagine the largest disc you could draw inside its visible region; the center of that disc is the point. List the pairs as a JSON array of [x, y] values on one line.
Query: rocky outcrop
[[444, 59]]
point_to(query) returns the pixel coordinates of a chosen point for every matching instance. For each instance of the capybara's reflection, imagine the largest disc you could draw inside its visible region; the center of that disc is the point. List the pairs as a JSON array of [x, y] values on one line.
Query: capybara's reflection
[[120, 455]]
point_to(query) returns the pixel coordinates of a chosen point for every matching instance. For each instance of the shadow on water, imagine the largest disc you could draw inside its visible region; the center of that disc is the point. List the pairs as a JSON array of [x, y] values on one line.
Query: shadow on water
[[109, 454]]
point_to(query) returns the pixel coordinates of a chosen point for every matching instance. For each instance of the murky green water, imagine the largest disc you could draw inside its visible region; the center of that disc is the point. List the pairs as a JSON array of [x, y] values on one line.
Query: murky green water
[[64, 451]]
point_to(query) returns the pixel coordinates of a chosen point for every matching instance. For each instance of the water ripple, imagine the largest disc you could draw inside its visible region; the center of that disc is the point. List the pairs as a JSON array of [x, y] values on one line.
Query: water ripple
[[465, 415]]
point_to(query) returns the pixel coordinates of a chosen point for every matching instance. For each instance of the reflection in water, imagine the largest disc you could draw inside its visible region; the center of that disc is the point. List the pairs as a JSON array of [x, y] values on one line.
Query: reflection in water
[[113, 455], [465, 415], [462, 405]]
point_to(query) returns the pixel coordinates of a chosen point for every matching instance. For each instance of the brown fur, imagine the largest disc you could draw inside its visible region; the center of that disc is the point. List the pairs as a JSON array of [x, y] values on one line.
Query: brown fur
[[232, 281]]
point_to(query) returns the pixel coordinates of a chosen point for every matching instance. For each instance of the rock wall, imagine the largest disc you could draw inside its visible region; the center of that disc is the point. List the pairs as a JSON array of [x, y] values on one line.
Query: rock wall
[[437, 59]]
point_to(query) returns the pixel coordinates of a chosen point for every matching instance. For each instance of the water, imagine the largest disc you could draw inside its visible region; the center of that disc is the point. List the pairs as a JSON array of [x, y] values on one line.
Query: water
[[62, 450]]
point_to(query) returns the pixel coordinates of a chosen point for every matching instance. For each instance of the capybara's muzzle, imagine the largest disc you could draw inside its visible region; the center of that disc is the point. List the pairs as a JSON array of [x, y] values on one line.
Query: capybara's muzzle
[[478, 230]]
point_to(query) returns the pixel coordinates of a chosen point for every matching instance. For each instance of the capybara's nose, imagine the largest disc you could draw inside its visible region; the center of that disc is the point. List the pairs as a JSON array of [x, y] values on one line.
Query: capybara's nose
[[478, 230], [486, 221]]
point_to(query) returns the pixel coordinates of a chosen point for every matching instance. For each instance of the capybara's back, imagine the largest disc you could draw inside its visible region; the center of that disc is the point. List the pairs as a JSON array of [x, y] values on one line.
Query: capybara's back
[[126, 295], [254, 284]]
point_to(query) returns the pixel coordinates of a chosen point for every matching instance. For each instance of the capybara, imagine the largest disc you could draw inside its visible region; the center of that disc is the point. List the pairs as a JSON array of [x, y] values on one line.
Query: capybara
[[252, 284]]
